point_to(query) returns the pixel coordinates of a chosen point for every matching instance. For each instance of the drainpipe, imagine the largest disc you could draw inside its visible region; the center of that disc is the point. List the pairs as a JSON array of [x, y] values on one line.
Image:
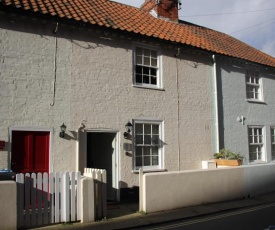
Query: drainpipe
[[178, 106], [216, 105]]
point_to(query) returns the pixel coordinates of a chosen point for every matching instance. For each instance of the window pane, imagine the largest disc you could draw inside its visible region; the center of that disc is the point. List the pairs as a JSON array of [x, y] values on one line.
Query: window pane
[[155, 151], [250, 131], [153, 80], [139, 139], [259, 153], [146, 79], [155, 160], [147, 151], [249, 94], [138, 78], [250, 139], [139, 128], [147, 161], [253, 153], [139, 60], [147, 139], [138, 161], [139, 69], [259, 131], [273, 152], [155, 139], [138, 151], [146, 61], [146, 70], [153, 72], [155, 129], [147, 129], [154, 62]]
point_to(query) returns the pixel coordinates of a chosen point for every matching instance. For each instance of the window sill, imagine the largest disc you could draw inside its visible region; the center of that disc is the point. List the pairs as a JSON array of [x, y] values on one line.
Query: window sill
[[148, 87], [255, 101], [257, 162], [149, 170]]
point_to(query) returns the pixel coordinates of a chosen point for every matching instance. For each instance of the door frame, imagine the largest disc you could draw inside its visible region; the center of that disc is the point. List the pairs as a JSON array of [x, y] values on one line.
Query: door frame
[[117, 151], [30, 128]]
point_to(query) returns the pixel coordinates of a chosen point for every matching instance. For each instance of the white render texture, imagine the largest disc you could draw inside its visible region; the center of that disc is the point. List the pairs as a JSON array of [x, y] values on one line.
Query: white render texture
[[92, 75], [87, 200], [204, 186], [8, 211]]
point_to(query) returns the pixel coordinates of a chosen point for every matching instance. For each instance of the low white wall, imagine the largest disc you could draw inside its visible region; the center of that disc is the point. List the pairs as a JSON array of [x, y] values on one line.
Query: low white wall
[[171, 190], [8, 210]]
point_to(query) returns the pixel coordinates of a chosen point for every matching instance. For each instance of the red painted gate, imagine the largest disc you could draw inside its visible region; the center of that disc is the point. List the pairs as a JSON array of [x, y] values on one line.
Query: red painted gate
[[30, 151]]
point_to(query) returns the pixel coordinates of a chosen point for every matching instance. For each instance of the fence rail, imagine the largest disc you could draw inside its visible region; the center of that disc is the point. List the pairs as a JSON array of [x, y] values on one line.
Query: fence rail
[[48, 198]]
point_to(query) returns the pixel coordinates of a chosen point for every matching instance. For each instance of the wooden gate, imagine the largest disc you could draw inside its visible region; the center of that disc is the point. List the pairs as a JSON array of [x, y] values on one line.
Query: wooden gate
[[48, 198]]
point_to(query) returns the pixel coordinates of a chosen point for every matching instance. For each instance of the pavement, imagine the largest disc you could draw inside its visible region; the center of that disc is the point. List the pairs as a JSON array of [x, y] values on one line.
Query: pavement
[[127, 216]]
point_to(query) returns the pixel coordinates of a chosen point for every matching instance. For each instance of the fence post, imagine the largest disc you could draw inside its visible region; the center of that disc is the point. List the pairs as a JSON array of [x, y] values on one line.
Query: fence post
[[87, 200], [104, 193]]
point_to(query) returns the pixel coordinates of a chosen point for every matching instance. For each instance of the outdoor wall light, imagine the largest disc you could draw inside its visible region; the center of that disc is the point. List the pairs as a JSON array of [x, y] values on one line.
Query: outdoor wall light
[[63, 129], [128, 128]]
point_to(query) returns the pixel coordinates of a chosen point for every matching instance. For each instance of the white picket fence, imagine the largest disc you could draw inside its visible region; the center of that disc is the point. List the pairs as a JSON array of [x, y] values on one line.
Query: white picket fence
[[100, 190], [48, 198]]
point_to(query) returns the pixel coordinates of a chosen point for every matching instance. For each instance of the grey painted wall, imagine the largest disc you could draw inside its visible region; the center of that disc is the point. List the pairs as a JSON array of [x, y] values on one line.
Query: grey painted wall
[[233, 104]]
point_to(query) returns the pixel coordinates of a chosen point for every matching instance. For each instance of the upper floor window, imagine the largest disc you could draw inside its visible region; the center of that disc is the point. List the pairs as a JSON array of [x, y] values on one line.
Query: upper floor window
[[146, 67], [256, 144], [273, 143], [253, 85], [148, 145]]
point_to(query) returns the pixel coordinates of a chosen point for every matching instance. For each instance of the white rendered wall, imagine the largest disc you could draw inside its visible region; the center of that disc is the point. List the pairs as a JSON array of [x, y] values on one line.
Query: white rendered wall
[[8, 211], [92, 73], [182, 189]]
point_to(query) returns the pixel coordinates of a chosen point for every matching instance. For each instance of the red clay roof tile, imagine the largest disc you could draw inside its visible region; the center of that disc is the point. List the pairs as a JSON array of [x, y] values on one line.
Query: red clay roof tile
[[123, 17]]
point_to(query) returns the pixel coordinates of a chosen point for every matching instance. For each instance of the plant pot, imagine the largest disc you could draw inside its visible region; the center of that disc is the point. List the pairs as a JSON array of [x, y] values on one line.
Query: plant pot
[[224, 162]]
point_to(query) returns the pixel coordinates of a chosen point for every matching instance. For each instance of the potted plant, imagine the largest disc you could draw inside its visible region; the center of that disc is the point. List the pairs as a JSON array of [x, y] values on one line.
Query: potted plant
[[227, 158]]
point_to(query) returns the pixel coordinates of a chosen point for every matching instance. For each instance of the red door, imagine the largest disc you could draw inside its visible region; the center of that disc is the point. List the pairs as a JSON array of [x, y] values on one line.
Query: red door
[[30, 151]]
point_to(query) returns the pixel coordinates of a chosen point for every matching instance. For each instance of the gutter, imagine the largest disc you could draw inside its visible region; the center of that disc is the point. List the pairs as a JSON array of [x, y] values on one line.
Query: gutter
[[216, 135]]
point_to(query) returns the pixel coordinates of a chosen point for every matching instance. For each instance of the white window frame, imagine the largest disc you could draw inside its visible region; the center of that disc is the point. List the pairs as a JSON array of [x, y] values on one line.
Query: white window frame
[[256, 142], [272, 135], [158, 85], [254, 86], [160, 166]]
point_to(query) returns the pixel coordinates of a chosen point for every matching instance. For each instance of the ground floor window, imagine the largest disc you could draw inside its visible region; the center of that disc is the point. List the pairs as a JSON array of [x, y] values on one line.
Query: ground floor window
[[148, 147], [256, 144], [273, 143]]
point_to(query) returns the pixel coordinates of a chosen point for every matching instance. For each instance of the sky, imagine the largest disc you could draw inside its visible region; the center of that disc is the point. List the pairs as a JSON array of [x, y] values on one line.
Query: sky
[[251, 21]]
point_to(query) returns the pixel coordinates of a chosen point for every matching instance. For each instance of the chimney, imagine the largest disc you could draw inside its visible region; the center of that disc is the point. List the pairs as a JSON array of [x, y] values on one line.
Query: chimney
[[165, 9]]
